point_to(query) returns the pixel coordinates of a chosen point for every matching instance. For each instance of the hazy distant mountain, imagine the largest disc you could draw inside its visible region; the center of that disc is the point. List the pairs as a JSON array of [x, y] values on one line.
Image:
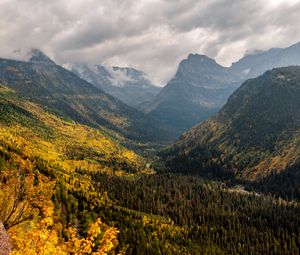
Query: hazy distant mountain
[[256, 133], [244, 67], [65, 93], [253, 65], [127, 84], [199, 88]]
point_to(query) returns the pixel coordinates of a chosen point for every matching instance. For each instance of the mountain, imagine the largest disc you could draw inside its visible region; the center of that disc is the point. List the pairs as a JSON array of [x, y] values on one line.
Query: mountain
[[253, 65], [199, 88], [256, 133], [41, 80], [129, 85]]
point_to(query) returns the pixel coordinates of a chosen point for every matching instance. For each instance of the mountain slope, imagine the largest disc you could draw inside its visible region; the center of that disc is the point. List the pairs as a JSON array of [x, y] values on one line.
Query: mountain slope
[[60, 142], [129, 85], [256, 133], [199, 88], [62, 91]]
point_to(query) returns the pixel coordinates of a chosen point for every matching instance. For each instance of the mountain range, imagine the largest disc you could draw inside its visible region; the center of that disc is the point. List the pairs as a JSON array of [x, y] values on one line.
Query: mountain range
[[201, 86], [198, 90], [51, 85], [70, 184]]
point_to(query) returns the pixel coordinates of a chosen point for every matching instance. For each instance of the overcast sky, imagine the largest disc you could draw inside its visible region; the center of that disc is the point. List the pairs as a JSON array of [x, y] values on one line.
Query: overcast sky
[[151, 35]]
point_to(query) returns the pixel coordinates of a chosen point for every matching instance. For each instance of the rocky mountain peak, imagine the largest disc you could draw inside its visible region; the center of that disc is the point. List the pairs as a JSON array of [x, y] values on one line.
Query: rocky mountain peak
[[38, 57], [198, 65], [200, 58]]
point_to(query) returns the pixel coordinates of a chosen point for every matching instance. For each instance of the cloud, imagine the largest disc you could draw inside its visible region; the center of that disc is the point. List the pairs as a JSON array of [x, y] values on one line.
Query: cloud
[[151, 35]]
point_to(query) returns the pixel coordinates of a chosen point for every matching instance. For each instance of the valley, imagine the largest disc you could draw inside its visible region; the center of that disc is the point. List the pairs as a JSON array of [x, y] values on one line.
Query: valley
[[81, 172]]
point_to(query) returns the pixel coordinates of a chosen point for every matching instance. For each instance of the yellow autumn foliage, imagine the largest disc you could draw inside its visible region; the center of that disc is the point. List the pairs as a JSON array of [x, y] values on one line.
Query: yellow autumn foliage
[[38, 140], [104, 235]]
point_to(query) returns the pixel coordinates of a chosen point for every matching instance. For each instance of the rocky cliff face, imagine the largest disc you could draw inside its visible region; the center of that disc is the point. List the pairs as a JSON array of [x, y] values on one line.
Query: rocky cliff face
[[5, 246]]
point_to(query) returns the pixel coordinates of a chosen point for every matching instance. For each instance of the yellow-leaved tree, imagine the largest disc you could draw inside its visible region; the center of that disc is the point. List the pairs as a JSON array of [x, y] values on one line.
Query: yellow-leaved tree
[[100, 240], [41, 237]]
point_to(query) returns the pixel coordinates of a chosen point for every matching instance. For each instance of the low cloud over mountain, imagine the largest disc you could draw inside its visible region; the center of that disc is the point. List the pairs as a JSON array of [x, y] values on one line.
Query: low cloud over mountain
[[116, 32]]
